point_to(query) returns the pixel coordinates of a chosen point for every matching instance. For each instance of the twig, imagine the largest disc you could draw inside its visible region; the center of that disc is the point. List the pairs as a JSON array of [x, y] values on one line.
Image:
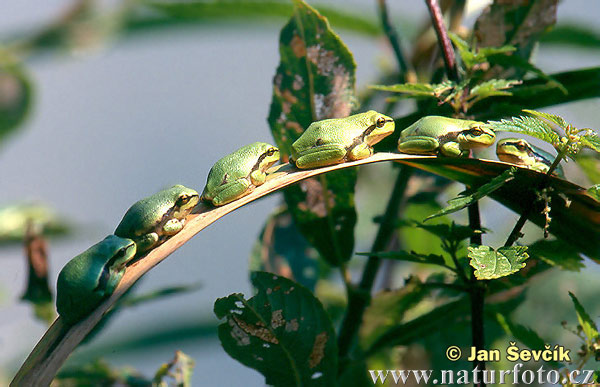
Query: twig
[[392, 36], [476, 293], [437, 20], [359, 299]]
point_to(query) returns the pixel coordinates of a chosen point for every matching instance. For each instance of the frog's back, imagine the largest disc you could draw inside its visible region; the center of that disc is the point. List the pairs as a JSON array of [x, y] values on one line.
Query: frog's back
[[434, 126], [235, 165], [330, 131], [138, 220]]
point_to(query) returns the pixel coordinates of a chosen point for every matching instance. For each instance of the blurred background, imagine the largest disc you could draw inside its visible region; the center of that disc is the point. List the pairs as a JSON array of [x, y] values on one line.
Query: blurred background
[[118, 116]]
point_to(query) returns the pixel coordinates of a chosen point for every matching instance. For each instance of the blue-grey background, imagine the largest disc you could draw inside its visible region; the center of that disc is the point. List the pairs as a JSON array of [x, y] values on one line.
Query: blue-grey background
[[119, 123]]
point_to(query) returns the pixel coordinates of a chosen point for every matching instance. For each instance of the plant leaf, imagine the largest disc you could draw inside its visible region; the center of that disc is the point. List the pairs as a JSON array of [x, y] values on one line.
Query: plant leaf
[[401, 255], [281, 249], [315, 80], [557, 253], [472, 57], [14, 219], [587, 323], [572, 35], [493, 87], [516, 23], [463, 201], [412, 89], [283, 332], [179, 369], [531, 126], [591, 140], [489, 263], [16, 95], [594, 191]]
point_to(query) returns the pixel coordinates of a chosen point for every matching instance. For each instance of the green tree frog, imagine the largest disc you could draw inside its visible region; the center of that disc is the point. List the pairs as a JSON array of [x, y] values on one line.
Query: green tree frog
[[92, 276], [150, 221], [520, 152], [338, 140], [432, 135], [236, 174]]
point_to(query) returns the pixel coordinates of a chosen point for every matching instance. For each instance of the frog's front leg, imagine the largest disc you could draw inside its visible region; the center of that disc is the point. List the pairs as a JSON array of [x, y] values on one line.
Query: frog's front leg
[[146, 242], [113, 280], [257, 177], [419, 145], [359, 152], [321, 156], [231, 191], [173, 226], [452, 149]]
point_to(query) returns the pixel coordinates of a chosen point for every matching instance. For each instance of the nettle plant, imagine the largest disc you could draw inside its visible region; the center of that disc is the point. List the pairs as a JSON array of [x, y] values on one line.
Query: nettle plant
[[319, 317]]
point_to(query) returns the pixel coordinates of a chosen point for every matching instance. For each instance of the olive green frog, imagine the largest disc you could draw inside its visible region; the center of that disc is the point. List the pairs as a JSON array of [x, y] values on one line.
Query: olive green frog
[[433, 135], [91, 277], [520, 152], [338, 140], [236, 174], [150, 221]]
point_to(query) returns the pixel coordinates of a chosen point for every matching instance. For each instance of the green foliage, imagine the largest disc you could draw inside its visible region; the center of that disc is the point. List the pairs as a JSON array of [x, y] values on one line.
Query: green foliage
[[15, 218], [315, 80], [490, 264], [466, 199], [585, 321], [557, 253], [477, 56], [100, 372], [16, 95], [283, 332], [179, 370]]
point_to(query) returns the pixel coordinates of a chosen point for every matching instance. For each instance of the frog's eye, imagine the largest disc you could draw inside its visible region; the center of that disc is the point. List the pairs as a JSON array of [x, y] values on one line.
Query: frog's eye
[[380, 122], [271, 151], [521, 146], [183, 199], [476, 132], [121, 252]]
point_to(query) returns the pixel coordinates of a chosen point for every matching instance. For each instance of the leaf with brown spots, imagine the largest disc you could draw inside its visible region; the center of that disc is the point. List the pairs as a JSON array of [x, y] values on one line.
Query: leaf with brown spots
[[314, 81], [283, 332], [519, 23]]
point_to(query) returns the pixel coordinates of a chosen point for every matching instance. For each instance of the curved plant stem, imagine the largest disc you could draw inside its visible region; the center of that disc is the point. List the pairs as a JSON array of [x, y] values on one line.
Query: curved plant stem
[[476, 293], [437, 20], [60, 340], [359, 299]]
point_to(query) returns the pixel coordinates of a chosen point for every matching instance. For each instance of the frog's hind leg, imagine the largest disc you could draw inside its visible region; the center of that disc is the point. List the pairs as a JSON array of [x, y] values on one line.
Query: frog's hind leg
[[452, 149], [321, 157], [419, 145], [359, 152], [234, 190]]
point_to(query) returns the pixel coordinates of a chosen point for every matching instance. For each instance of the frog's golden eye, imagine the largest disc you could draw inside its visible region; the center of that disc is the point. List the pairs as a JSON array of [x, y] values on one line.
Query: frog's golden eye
[[120, 253], [183, 199], [476, 132], [521, 146], [271, 151], [380, 122]]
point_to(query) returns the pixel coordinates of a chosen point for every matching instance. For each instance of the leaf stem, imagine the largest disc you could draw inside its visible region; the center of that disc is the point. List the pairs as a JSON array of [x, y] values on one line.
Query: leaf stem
[[437, 20], [477, 292], [359, 299], [392, 36]]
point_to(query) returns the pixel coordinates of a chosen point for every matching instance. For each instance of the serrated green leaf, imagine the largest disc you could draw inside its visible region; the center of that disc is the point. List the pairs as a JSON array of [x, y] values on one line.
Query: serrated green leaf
[[591, 140], [387, 308], [491, 88], [489, 263], [552, 118], [401, 255], [16, 95], [531, 126], [463, 201], [283, 332], [587, 323], [557, 253], [472, 57], [281, 249], [315, 80], [411, 89]]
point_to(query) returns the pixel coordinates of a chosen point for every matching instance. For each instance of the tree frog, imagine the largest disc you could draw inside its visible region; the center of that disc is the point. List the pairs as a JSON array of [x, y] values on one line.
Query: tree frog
[[337, 140], [92, 276], [236, 174], [520, 152], [150, 221], [432, 135]]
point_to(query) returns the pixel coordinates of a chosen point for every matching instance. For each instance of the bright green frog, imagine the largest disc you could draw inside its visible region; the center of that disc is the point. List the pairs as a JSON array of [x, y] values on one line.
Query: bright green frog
[[92, 276], [150, 221], [335, 141], [236, 174], [432, 135], [520, 152]]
